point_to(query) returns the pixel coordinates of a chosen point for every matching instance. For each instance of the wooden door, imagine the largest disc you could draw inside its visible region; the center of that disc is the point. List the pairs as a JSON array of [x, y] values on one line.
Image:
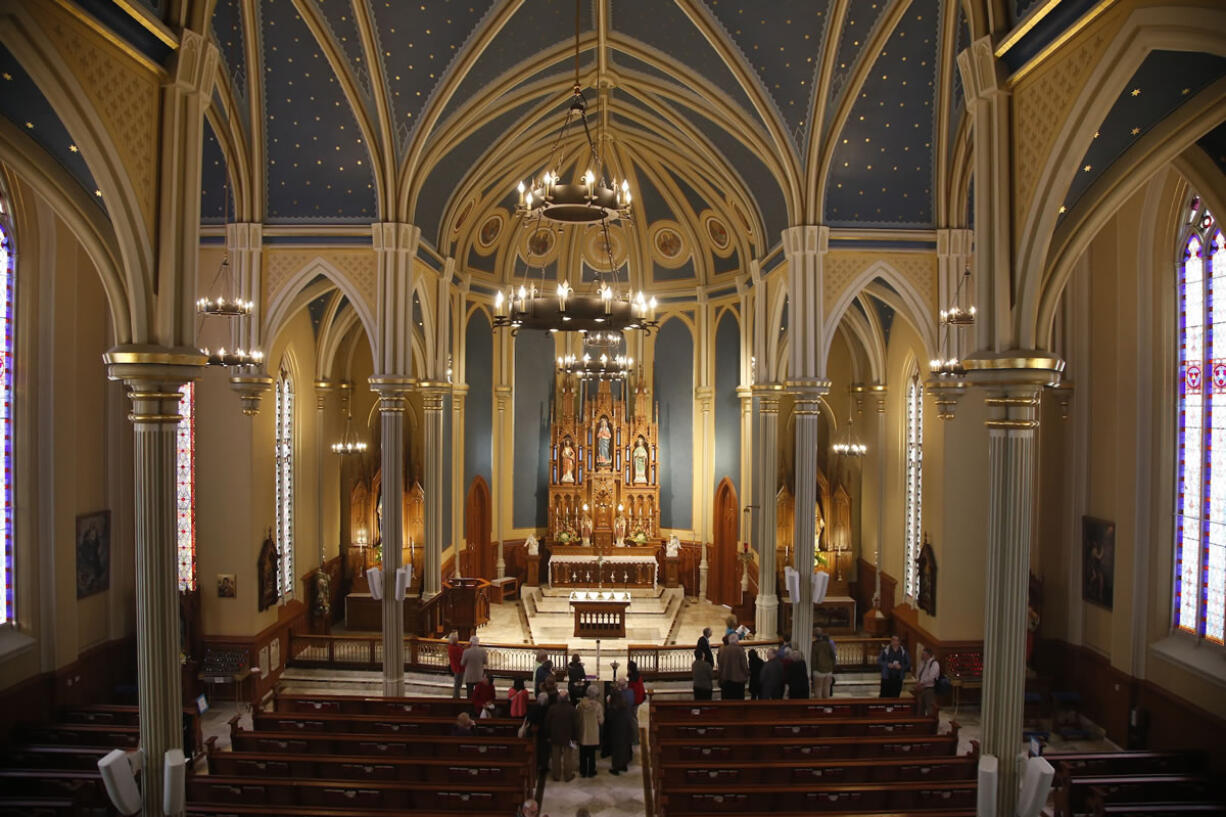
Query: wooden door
[[723, 579], [480, 559]]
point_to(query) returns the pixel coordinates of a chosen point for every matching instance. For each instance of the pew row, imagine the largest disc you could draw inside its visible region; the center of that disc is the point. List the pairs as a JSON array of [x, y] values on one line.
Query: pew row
[[787, 772], [500, 769], [456, 796], [782, 729], [718, 750], [338, 743], [408, 706], [790, 710], [872, 798], [376, 724]]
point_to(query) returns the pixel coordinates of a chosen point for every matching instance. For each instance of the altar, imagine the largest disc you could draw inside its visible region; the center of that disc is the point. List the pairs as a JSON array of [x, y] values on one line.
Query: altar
[[579, 566]]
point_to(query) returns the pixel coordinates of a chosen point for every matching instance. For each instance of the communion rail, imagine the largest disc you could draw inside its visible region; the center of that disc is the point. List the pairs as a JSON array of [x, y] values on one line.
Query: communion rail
[[674, 661], [421, 654]]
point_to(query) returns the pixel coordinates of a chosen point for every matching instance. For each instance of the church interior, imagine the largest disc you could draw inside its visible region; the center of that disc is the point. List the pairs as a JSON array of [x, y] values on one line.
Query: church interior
[[340, 336]]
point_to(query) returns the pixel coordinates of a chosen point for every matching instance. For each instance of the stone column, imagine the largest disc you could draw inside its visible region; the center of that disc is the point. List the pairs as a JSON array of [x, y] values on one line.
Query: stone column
[[805, 248], [322, 389], [704, 398], [807, 410], [432, 564], [391, 392], [766, 477], [1013, 383], [154, 377]]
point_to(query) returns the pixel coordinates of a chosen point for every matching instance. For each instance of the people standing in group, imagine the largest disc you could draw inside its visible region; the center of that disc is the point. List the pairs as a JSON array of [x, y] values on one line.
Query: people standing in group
[[825, 659], [733, 669], [637, 694], [591, 718], [483, 696], [618, 730], [455, 652], [562, 724], [518, 698], [795, 673], [772, 676], [704, 646], [473, 661], [926, 682], [703, 677], [576, 678], [544, 669], [894, 663], [536, 720], [755, 674]]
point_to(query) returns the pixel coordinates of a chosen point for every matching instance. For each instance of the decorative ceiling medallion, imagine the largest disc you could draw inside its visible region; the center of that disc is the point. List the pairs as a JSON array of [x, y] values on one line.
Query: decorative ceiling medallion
[[718, 233], [668, 246], [668, 243], [463, 216], [541, 242], [744, 219], [489, 232], [596, 252]]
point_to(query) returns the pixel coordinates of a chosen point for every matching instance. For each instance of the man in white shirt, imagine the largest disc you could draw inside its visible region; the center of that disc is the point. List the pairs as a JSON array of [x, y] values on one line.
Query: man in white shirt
[[926, 676]]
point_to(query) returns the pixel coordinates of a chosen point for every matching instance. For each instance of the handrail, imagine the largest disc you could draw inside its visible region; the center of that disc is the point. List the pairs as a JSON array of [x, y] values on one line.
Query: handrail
[[421, 654]]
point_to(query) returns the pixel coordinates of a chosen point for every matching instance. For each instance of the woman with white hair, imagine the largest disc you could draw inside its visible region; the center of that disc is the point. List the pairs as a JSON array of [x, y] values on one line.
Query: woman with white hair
[[733, 669], [591, 718], [473, 661]]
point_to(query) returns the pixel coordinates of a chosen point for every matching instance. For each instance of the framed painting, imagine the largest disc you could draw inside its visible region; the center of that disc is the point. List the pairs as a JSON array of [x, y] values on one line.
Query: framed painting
[[93, 553], [1098, 561]]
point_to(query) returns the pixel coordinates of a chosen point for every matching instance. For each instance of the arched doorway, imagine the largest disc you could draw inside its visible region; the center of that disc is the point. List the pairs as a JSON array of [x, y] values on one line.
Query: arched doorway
[[478, 555], [723, 584]]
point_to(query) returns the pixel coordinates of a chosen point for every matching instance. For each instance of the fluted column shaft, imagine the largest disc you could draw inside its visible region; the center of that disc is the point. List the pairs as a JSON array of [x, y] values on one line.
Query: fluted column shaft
[[322, 388], [154, 378], [391, 455], [1013, 382], [766, 470], [432, 404], [806, 411]]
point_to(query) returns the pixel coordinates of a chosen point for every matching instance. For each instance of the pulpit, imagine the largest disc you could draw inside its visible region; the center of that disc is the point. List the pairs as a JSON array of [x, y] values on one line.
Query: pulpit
[[534, 571], [468, 605], [600, 613], [672, 571]]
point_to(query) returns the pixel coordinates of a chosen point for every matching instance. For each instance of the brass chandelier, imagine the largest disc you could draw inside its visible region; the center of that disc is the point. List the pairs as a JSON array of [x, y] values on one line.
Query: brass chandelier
[[227, 307], [595, 200]]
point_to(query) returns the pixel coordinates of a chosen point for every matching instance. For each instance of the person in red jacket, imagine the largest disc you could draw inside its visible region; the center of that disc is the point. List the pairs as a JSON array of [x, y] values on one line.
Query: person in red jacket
[[484, 695], [454, 653], [634, 683]]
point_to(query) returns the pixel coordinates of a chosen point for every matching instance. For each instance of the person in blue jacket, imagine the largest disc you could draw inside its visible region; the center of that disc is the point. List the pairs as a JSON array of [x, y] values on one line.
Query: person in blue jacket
[[895, 663]]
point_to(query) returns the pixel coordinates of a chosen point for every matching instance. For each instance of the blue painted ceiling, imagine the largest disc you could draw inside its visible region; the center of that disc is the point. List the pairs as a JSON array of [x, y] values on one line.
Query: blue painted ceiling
[[25, 106], [1214, 143], [1163, 82]]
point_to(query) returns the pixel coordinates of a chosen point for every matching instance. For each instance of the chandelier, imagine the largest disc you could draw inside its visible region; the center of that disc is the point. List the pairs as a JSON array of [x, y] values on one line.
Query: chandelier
[[948, 380], [602, 367], [592, 199], [349, 443], [848, 447], [227, 307]]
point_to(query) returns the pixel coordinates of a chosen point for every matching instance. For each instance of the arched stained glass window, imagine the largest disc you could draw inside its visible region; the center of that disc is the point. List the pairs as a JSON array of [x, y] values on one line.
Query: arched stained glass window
[[915, 484], [185, 486], [285, 481], [8, 309], [1200, 503]]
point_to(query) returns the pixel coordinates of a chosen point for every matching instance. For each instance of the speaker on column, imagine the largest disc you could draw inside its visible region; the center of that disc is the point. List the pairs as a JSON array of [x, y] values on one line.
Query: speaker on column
[[1036, 784], [173, 802], [404, 576], [374, 578], [988, 780], [119, 777]]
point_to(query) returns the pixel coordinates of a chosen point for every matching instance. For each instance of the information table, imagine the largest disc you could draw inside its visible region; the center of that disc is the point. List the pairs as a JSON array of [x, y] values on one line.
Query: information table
[[600, 613], [616, 567]]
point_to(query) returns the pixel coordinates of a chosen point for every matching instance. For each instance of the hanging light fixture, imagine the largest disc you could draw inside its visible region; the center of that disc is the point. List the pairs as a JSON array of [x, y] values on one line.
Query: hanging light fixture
[[221, 305], [349, 443], [960, 312], [848, 446], [948, 381], [592, 199]]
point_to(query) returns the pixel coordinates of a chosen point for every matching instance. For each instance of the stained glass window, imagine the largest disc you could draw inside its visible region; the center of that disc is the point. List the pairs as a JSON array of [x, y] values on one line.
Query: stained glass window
[[185, 488], [1198, 600], [8, 308], [285, 481], [915, 485]]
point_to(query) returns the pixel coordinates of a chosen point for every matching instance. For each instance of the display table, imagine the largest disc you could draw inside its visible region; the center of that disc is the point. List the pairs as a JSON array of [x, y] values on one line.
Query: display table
[[600, 613], [589, 567]]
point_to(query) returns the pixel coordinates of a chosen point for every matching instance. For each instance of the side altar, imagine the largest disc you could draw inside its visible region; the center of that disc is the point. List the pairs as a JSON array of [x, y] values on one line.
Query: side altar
[[604, 488]]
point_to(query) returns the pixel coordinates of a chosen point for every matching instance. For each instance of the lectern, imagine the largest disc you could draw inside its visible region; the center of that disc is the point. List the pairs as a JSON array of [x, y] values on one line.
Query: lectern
[[600, 613]]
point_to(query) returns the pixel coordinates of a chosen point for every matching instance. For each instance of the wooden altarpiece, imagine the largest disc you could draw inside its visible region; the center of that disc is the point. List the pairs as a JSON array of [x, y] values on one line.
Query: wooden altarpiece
[[604, 454]]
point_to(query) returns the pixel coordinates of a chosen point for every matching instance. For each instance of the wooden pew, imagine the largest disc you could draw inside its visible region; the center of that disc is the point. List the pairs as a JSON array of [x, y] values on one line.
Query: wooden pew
[[359, 768], [874, 798], [459, 796], [248, 810], [17, 806], [337, 743], [788, 710], [1158, 809], [376, 724], [719, 750], [115, 736], [1072, 764], [78, 784], [122, 715], [352, 705], [783, 729], [1074, 797], [36, 756], [787, 772]]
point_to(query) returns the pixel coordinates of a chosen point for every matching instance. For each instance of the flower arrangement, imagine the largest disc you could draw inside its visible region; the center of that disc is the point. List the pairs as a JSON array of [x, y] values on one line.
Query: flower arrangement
[[638, 537], [819, 559], [566, 537]]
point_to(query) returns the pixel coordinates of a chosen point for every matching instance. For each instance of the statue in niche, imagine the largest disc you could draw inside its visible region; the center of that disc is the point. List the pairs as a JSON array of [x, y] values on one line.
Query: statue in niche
[[673, 549], [568, 461], [604, 445], [267, 569], [926, 598], [586, 526], [639, 458], [619, 528]]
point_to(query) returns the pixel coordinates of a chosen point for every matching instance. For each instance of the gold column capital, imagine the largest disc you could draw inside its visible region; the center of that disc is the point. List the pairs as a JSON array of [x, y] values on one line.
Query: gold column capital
[[1013, 380], [391, 390], [154, 376]]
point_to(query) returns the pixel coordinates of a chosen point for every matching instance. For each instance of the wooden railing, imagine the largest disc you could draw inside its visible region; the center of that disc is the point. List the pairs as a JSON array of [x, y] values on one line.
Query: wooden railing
[[421, 654], [675, 661]]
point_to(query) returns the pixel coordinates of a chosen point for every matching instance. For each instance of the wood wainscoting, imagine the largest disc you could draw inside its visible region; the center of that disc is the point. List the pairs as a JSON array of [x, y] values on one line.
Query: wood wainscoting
[[291, 615]]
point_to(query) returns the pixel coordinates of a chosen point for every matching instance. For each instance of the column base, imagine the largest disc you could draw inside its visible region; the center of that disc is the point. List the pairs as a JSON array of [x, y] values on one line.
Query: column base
[[702, 580], [393, 689], [500, 569], [766, 625]]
